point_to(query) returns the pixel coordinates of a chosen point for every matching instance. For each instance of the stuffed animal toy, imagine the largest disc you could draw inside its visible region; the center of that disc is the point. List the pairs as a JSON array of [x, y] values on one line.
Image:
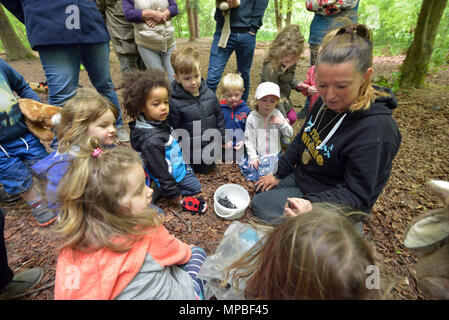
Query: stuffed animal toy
[[39, 117], [428, 236], [225, 6], [194, 205]]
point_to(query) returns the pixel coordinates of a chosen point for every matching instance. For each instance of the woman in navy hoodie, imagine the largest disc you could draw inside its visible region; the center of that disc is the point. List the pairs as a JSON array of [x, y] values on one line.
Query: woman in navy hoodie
[[344, 152], [67, 34]]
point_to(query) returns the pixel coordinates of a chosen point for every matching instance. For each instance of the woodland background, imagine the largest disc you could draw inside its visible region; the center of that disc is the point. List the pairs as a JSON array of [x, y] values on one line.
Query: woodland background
[[422, 116]]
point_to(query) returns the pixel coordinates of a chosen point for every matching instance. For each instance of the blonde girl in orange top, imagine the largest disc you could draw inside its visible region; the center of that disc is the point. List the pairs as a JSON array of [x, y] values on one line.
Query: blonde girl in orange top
[[113, 246]]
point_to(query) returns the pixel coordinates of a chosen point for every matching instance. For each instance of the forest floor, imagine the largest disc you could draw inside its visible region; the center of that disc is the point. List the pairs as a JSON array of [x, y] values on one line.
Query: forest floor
[[423, 119]]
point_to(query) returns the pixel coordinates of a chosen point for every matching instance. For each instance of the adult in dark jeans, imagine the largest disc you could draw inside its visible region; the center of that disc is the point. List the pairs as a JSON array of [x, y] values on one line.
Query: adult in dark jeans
[[11, 286], [245, 21], [67, 34]]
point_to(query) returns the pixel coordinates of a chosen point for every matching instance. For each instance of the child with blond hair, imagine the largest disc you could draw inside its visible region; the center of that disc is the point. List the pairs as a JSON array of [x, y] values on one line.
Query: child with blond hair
[[88, 113], [235, 112], [113, 246], [264, 127], [196, 109]]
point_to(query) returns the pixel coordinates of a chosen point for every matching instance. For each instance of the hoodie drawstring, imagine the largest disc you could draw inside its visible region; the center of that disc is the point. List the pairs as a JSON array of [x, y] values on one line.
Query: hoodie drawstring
[[6, 153]]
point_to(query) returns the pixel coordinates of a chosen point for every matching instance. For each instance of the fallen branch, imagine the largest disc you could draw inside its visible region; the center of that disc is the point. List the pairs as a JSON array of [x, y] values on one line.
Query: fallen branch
[[187, 223], [51, 284]]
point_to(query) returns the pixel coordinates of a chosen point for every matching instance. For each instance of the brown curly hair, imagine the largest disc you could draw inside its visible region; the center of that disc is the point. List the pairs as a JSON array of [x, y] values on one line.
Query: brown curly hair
[[137, 85]]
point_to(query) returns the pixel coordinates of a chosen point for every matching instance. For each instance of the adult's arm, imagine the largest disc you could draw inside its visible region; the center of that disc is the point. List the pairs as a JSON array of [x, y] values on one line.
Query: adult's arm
[[366, 173], [15, 7], [259, 8]]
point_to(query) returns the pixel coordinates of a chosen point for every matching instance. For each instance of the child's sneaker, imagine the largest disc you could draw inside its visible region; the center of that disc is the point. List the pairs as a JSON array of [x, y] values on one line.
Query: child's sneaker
[[43, 215], [194, 204]]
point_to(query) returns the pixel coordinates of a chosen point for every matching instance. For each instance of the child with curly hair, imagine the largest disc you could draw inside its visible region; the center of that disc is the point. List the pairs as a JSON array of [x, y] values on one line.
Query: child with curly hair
[[146, 96], [279, 66]]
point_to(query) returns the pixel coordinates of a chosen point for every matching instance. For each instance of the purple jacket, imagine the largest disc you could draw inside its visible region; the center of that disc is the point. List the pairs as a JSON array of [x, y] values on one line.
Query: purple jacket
[[134, 15]]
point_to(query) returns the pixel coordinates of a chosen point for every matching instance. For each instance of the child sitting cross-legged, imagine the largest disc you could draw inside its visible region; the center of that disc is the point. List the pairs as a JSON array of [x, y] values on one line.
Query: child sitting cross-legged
[[112, 244], [235, 112], [264, 127], [146, 96], [195, 108]]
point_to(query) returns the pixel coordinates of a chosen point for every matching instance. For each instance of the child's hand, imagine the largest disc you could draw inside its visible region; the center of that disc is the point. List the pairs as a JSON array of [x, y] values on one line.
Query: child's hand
[[297, 206], [312, 90], [301, 86], [276, 120], [228, 145], [239, 145], [254, 163]]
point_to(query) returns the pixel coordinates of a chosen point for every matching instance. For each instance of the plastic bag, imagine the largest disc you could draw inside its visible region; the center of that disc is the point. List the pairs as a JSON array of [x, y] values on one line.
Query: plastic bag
[[237, 239]]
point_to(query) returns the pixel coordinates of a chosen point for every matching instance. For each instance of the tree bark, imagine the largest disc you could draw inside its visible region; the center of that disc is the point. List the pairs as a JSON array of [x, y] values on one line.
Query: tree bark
[[278, 14], [191, 20], [196, 20], [14, 48], [288, 18], [416, 63]]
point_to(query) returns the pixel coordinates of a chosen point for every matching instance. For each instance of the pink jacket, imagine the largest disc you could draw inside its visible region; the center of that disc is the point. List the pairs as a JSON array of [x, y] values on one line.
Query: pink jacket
[[310, 81]]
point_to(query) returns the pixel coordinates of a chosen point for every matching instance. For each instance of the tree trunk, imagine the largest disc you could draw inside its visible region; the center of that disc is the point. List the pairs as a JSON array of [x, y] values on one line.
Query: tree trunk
[[196, 20], [191, 20], [278, 14], [416, 63], [14, 48], [288, 18]]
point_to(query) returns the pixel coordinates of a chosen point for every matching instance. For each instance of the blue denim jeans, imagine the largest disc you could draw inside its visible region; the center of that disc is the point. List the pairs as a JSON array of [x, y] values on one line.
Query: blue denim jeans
[[243, 44], [158, 59], [16, 158], [61, 65]]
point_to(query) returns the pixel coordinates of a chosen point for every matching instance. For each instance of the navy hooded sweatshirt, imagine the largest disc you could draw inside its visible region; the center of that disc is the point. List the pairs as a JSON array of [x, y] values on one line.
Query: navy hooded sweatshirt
[[353, 166]]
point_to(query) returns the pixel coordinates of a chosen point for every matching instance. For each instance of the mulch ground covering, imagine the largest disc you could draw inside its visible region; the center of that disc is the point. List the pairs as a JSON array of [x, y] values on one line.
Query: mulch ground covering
[[423, 119]]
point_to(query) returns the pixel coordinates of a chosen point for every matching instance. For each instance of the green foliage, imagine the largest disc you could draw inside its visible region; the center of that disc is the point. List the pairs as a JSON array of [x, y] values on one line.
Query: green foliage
[[19, 27], [393, 84], [392, 23]]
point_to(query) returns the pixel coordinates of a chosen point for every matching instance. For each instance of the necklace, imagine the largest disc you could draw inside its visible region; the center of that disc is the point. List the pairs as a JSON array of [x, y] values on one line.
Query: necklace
[[306, 156]]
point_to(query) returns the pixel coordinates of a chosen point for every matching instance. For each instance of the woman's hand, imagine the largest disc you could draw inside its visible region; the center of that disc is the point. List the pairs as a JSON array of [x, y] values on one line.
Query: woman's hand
[[153, 18], [297, 206], [266, 183]]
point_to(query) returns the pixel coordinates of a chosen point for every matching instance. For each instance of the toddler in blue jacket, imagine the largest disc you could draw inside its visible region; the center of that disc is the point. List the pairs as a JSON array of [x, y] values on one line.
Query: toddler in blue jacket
[[235, 112]]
